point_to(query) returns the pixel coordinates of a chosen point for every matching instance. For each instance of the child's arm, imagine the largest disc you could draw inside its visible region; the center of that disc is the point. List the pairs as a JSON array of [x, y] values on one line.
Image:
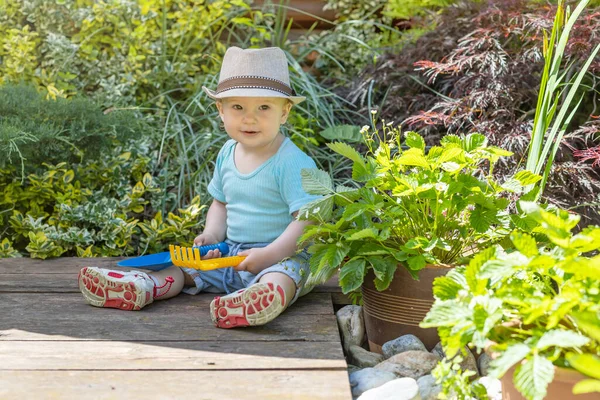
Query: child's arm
[[215, 229], [284, 246]]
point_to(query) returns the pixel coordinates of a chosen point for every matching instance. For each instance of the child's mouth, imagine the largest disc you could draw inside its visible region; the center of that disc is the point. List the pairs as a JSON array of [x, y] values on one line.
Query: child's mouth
[[250, 132]]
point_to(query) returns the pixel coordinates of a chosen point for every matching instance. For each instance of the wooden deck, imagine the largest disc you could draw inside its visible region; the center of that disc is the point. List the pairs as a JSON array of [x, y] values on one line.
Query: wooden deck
[[53, 345]]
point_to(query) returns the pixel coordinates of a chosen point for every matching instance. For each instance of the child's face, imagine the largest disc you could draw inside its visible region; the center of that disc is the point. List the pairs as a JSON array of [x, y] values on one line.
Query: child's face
[[253, 121]]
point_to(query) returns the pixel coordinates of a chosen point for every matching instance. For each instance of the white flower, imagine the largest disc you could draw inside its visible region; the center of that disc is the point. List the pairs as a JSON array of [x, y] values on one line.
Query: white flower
[[373, 112], [390, 123], [441, 187], [364, 129]]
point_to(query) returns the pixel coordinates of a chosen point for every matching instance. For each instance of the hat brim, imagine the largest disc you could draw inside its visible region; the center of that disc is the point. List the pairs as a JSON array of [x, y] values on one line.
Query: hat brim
[[251, 92]]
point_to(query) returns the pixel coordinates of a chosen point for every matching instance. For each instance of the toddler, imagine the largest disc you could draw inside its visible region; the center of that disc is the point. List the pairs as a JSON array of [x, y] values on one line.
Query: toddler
[[257, 192]]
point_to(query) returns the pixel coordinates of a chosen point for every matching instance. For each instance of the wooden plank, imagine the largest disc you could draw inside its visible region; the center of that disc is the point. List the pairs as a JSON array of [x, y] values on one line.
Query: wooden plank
[[107, 355], [200, 385], [176, 319], [60, 265], [312, 303]]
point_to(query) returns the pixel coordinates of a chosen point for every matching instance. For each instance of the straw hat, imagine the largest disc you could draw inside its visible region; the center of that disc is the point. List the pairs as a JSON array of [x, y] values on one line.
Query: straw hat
[[254, 73]]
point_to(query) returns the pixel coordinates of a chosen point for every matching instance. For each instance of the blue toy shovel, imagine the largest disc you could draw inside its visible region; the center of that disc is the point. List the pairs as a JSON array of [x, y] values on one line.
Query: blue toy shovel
[[156, 262]]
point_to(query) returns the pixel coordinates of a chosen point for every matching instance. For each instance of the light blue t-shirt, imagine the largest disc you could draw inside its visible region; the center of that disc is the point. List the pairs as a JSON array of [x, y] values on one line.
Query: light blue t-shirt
[[260, 204]]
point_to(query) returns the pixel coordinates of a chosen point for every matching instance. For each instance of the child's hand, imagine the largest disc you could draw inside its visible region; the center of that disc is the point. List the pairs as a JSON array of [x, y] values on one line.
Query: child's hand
[[204, 239], [256, 260]]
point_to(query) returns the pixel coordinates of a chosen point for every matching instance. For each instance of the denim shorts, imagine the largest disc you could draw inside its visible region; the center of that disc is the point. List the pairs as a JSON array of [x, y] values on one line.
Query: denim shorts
[[228, 280]]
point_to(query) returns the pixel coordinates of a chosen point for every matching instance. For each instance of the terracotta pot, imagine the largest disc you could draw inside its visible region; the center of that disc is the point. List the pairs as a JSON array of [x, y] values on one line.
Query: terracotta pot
[[561, 388], [399, 309]]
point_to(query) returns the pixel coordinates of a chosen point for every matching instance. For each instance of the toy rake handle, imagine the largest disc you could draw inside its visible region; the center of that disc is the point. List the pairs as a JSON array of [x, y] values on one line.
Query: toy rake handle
[[222, 247]]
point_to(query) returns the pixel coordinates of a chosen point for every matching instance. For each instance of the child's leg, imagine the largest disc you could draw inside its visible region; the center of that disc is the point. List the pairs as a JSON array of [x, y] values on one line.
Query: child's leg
[[283, 280], [170, 282], [128, 290]]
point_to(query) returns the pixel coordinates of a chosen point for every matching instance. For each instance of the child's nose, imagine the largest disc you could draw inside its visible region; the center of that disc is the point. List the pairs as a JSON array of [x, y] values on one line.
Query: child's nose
[[249, 116]]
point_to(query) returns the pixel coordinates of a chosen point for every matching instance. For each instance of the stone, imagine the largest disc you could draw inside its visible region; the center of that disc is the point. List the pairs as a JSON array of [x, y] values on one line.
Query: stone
[[368, 378], [351, 322], [438, 350], [493, 387], [353, 368], [468, 362], [397, 389], [363, 358], [412, 364], [428, 389], [483, 362], [402, 344]]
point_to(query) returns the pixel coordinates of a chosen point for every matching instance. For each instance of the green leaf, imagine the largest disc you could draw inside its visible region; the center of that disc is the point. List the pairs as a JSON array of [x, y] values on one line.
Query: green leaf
[[532, 377], [317, 210], [316, 181], [416, 263], [586, 386], [589, 323], [346, 195], [449, 154], [451, 140], [68, 177], [583, 267], [512, 185], [481, 219], [347, 151], [352, 275], [512, 355], [451, 166], [524, 243], [413, 158], [587, 364], [370, 233], [446, 313], [384, 269], [526, 177], [473, 141], [474, 281], [414, 140], [561, 338], [447, 287], [346, 133]]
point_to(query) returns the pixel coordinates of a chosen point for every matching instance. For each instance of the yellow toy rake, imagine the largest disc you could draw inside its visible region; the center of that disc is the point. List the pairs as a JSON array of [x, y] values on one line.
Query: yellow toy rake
[[189, 257]]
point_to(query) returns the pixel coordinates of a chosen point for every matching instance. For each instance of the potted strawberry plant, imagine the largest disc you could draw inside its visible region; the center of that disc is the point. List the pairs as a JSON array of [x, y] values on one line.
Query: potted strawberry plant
[[415, 213], [536, 308]]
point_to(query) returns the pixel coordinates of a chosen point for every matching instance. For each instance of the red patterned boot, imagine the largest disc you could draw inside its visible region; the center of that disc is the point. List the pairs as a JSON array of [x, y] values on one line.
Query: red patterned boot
[[117, 289], [254, 305]]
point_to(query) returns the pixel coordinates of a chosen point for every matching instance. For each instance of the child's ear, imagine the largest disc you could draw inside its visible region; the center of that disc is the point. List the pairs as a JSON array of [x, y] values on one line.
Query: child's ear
[[219, 105], [287, 107]]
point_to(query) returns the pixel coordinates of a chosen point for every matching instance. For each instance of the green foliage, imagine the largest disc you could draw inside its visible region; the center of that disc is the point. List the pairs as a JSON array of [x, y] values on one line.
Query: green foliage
[[358, 38], [106, 207], [34, 130], [539, 304], [556, 105], [456, 384], [120, 51], [414, 206], [407, 9], [7, 251]]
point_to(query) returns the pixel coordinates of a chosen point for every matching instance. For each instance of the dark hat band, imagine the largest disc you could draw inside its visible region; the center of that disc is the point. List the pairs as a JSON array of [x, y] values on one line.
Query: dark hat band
[[254, 82]]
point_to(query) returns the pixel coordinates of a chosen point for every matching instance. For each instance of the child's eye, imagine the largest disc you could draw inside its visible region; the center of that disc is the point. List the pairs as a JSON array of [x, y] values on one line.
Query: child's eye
[[264, 107], [236, 107]]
